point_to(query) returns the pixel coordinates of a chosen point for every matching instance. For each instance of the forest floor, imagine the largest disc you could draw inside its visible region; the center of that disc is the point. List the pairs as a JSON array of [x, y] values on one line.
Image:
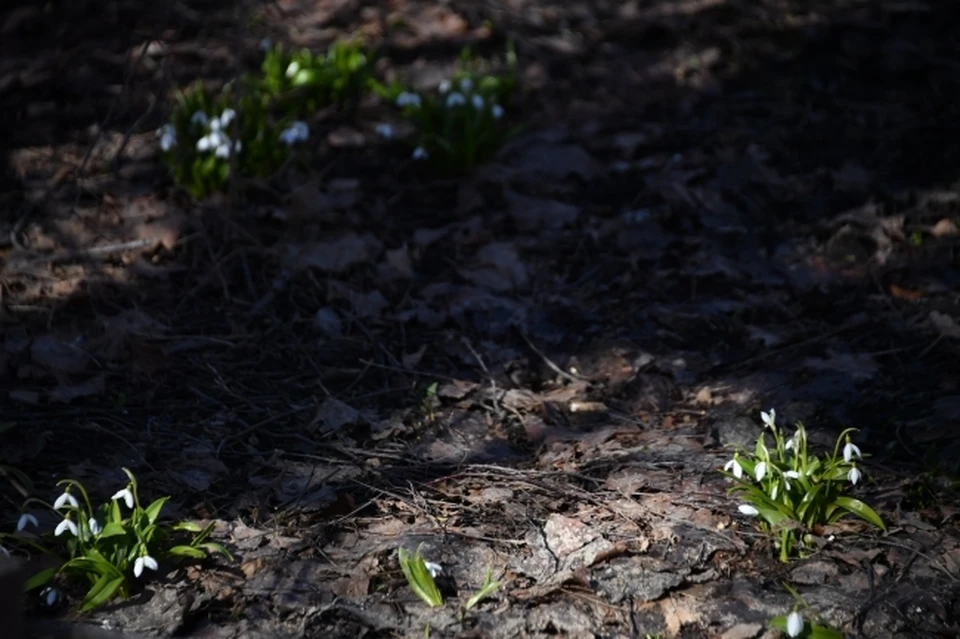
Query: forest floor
[[717, 207]]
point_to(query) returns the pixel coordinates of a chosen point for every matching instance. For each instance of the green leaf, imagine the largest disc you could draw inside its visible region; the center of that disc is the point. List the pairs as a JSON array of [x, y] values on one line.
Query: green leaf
[[41, 578], [213, 547], [488, 588], [861, 510], [188, 526], [420, 580], [102, 592], [113, 529], [188, 551], [153, 510]]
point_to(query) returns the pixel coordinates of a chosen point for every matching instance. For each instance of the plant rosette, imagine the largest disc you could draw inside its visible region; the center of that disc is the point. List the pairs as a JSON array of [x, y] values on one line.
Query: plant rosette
[[110, 547], [793, 491]]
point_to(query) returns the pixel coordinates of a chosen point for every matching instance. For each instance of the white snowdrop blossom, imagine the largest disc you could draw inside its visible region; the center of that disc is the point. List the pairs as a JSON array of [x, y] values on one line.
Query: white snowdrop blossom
[[125, 495], [223, 151], [384, 130], [747, 509], [408, 98], [66, 525], [849, 450], [477, 101], [760, 471], [168, 137], [444, 86], [497, 111], [790, 474], [265, 44], [146, 561], [296, 132], [433, 568], [50, 595], [854, 475], [737, 469], [199, 117], [224, 120], [420, 153], [769, 419], [94, 526], [455, 99], [466, 84], [292, 69], [791, 443], [794, 624], [26, 518], [64, 499]]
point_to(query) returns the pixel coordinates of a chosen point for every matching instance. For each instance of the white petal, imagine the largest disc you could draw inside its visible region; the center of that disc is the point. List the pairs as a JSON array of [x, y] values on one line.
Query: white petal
[[138, 567], [444, 86], [384, 130], [65, 525], [199, 118], [149, 562], [455, 99], [477, 100], [466, 84], [497, 111], [291, 71], [125, 495], [769, 419], [794, 623], [849, 450], [26, 518], [227, 117], [265, 44], [760, 470], [204, 143], [64, 499], [747, 509], [433, 568], [792, 474], [94, 526], [420, 153], [854, 475], [4, 552], [790, 444]]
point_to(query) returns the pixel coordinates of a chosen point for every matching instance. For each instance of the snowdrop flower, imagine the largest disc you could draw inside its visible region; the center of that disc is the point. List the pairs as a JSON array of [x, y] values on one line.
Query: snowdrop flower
[[444, 86], [225, 118], [94, 526], [125, 495], [408, 98], [200, 118], [477, 100], [854, 475], [265, 44], [791, 443], [433, 568], [769, 419], [64, 499], [760, 471], [420, 153], [212, 140], [293, 69], [455, 99], [466, 84], [168, 137], [146, 561], [735, 465], [790, 474], [849, 450], [296, 132], [747, 509], [50, 595], [794, 624], [26, 518], [384, 130], [65, 525], [223, 151], [497, 111]]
